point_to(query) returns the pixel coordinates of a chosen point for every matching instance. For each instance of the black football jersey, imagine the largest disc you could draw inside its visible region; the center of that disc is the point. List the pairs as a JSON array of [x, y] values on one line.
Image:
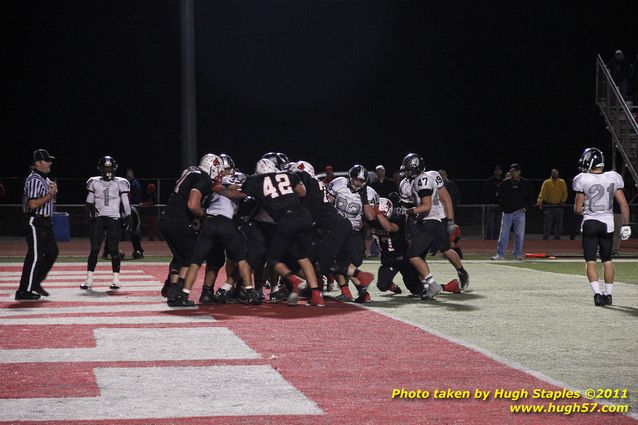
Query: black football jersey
[[316, 201], [191, 178], [274, 191], [393, 246]]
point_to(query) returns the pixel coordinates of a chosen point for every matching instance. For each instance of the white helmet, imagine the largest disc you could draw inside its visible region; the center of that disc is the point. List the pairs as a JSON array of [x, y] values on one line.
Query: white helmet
[[385, 206], [303, 166], [211, 164], [265, 166]]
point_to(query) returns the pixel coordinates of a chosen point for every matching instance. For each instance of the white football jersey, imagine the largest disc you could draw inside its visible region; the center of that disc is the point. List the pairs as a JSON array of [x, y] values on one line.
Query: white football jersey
[[405, 191], [221, 205], [107, 195], [429, 181], [348, 203], [599, 191]]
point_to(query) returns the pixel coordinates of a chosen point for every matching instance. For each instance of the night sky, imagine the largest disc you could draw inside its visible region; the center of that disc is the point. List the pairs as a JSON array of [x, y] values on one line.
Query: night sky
[[467, 85]]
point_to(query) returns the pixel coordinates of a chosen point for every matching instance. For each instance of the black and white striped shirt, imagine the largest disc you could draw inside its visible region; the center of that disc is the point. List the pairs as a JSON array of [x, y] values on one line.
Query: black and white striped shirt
[[37, 186]]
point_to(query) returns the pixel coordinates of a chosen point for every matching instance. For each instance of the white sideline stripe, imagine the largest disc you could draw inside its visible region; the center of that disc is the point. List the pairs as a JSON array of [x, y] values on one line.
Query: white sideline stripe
[[102, 320], [79, 277], [487, 353], [96, 296], [170, 392], [74, 272], [130, 307], [96, 283], [99, 288], [143, 344], [125, 264]]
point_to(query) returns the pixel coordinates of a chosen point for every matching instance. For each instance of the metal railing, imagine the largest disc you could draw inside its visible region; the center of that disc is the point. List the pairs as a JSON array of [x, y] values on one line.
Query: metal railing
[[619, 119]]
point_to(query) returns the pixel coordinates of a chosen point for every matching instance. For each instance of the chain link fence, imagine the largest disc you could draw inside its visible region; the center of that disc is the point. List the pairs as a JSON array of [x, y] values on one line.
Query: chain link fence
[[475, 218]]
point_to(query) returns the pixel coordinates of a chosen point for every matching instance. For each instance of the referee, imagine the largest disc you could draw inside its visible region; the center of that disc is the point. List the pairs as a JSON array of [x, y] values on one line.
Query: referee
[[37, 204]]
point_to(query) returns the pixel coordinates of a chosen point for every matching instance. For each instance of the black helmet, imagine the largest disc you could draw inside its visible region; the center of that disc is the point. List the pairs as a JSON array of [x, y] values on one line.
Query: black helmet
[[280, 160], [591, 158], [107, 166], [413, 163], [357, 172], [228, 163]]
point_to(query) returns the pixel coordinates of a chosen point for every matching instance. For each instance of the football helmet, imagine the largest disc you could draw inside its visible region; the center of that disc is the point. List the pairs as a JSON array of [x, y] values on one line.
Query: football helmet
[[413, 165], [280, 159], [385, 206], [355, 174], [228, 164], [265, 166], [212, 165], [107, 166], [591, 158], [303, 166]]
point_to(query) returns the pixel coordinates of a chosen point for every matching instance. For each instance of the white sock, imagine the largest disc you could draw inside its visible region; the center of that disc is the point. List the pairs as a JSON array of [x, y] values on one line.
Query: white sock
[[595, 286], [116, 278], [609, 288], [227, 286], [89, 279], [186, 291]]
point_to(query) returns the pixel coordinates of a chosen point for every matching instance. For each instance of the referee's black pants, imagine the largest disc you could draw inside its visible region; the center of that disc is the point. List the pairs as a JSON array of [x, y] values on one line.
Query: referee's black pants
[[42, 253]]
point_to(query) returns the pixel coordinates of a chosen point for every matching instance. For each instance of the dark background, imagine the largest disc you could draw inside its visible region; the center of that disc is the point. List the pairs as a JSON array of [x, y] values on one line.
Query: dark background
[[466, 84]]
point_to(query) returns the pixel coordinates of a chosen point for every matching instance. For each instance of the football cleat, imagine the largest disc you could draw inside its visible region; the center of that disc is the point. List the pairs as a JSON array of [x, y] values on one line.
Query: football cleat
[[27, 296], [599, 300], [114, 286], [175, 290], [85, 286], [431, 290], [225, 297], [41, 291], [464, 278], [316, 299], [137, 255], [345, 296], [180, 301], [249, 296], [293, 297], [208, 295], [452, 286], [165, 288], [608, 299], [363, 298], [279, 295], [395, 289]]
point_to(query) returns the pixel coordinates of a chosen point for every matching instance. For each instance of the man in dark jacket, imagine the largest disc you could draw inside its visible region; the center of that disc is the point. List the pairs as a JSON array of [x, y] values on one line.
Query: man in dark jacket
[[514, 195]]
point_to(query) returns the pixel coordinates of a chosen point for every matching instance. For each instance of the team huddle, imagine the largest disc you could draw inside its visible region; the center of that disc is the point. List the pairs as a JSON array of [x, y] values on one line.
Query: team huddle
[[285, 229]]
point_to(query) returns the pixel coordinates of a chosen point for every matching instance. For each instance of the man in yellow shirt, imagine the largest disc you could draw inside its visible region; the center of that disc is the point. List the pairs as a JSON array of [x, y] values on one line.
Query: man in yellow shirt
[[551, 200]]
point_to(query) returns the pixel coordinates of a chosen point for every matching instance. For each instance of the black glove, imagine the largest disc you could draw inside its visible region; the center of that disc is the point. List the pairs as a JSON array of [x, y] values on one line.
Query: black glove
[[92, 211], [127, 222]]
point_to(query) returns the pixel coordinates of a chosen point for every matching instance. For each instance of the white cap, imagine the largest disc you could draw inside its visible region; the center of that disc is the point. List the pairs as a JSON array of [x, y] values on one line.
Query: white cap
[[380, 167], [619, 51]]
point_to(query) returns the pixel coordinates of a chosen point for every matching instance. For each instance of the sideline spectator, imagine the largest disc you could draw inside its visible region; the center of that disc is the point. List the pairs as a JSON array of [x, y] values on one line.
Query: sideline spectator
[[619, 70], [135, 195], [493, 210], [383, 185], [148, 210], [551, 200], [330, 175], [515, 195], [38, 203]]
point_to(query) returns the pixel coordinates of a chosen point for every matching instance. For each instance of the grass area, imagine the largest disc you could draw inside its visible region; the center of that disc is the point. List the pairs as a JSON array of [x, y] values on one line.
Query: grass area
[[625, 271]]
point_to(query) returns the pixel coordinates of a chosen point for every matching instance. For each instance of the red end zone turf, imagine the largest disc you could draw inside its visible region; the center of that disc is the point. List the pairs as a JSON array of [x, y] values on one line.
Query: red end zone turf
[[344, 358]]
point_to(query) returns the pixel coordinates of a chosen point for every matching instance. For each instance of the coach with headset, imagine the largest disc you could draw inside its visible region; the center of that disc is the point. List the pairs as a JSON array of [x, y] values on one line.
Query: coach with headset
[[37, 203]]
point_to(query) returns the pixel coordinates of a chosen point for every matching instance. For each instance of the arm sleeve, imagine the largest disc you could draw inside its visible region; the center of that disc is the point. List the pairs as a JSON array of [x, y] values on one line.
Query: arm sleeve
[[126, 205], [577, 184], [90, 197]]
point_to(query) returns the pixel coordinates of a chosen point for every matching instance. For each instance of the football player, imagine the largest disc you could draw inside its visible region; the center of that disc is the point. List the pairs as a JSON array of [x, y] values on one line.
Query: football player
[[334, 227], [107, 193], [595, 193], [179, 222], [389, 232], [352, 198], [278, 192], [434, 216], [219, 230]]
